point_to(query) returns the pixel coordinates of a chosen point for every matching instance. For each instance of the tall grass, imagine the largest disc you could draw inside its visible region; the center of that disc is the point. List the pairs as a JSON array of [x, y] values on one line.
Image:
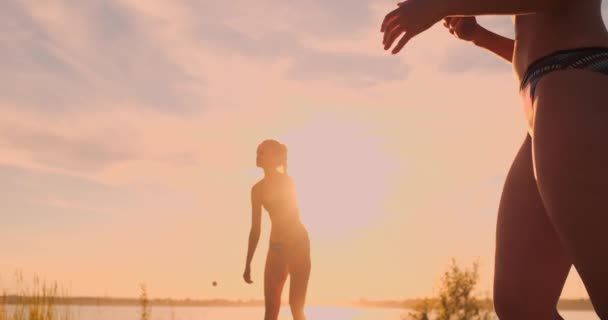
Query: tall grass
[[144, 302], [38, 301], [3, 315]]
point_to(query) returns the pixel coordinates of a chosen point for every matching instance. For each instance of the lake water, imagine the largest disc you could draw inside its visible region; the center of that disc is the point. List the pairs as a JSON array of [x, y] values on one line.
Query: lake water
[[256, 313]]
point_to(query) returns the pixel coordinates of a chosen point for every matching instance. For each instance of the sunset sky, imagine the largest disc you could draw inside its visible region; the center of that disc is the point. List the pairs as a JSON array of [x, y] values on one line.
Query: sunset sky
[[128, 132]]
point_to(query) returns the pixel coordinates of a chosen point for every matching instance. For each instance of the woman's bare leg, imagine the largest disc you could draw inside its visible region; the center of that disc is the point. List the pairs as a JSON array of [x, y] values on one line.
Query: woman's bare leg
[[531, 265], [571, 161], [299, 275], [275, 274]]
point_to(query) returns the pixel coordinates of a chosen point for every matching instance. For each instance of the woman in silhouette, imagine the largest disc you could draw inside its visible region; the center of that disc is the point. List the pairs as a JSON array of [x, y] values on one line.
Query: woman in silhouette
[[554, 207], [289, 248]]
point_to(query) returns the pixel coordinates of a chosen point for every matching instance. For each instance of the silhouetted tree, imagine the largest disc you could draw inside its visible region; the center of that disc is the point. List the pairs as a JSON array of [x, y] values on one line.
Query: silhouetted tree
[[455, 300]]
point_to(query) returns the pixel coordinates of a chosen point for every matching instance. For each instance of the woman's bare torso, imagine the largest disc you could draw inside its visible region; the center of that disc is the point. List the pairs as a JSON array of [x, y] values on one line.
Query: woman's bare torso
[[280, 200], [540, 34]]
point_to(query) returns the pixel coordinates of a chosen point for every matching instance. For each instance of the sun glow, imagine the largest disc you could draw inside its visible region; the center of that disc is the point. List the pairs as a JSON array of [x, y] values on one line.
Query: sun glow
[[342, 173]]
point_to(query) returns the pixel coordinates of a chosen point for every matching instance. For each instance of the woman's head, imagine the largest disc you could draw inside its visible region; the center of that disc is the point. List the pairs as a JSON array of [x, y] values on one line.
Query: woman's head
[[272, 154]]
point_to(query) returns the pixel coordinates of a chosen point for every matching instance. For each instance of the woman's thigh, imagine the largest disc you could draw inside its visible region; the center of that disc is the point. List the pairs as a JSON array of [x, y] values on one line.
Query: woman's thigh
[[571, 159], [531, 264], [275, 275]]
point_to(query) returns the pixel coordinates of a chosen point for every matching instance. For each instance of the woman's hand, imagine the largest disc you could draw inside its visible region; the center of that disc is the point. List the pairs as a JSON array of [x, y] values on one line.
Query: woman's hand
[[410, 19], [464, 28], [247, 274]]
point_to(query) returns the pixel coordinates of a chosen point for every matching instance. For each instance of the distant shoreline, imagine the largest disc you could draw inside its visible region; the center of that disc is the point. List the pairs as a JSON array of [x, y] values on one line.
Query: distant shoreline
[[564, 304]]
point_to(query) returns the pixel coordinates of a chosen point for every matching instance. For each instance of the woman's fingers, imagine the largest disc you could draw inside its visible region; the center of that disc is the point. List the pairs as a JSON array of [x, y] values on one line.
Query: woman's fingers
[[390, 17], [385, 36], [407, 21], [392, 36], [390, 26], [458, 26], [454, 25], [406, 37], [247, 278], [454, 21]]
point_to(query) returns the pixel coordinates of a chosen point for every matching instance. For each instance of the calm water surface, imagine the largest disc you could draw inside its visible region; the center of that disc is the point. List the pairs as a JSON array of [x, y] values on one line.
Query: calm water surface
[[256, 313]]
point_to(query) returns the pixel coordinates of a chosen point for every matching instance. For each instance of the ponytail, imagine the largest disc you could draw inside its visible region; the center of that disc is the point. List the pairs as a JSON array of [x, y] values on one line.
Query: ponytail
[[283, 151]]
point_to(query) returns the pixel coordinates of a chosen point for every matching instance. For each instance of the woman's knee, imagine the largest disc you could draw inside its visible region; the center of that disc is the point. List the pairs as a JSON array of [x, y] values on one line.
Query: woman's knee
[[507, 311], [507, 304], [297, 310], [511, 303], [272, 312]]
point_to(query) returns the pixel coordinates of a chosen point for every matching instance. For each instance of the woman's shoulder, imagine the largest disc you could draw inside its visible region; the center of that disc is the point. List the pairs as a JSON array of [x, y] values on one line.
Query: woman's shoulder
[[257, 187], [281, 182], [290, 182]]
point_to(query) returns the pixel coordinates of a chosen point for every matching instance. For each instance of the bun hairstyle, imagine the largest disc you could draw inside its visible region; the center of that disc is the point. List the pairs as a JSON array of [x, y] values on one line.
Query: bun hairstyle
[[278, 150]]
